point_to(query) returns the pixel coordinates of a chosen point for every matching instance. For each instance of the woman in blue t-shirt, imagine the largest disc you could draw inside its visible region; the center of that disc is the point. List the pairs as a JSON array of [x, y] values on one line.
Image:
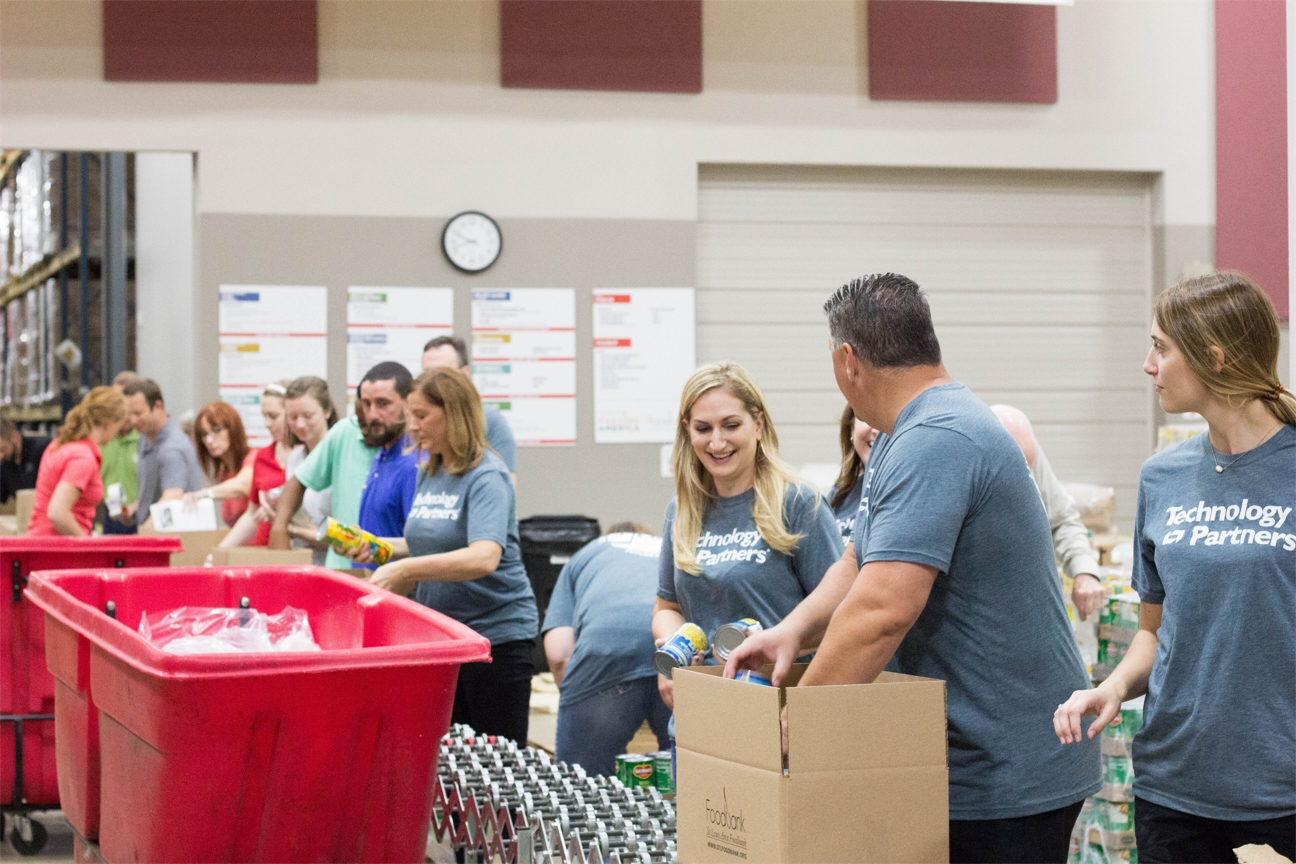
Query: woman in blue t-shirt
[[461, 555], [1215, 566], [744, 537], [856, 438]]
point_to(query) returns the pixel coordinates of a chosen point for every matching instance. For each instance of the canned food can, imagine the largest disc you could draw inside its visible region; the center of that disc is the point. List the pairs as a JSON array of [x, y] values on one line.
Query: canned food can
[[635, 769], [679, 650], [662, 773], [753, 678], [343, 537], [729, 636]]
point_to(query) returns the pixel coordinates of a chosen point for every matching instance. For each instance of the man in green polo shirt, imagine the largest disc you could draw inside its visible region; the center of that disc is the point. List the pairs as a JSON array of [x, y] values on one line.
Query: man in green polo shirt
[[118, 466]]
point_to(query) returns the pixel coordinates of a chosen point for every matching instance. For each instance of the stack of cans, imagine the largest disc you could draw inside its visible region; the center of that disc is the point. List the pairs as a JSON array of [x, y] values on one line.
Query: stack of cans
[[1117, 625], [1104, 833], [495, 800], [647, 771]]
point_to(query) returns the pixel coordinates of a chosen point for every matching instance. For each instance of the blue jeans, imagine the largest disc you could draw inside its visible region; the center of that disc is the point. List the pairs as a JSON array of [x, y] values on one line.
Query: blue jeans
[[595, 730]]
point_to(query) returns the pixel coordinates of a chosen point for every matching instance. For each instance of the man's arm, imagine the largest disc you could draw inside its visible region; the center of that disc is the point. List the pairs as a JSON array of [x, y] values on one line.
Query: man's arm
[[802, 629], [559, 644], [290, 501], [867, 628]]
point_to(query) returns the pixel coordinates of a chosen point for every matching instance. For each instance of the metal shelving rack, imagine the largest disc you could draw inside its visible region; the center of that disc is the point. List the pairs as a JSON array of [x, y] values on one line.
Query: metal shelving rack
[[93, 263]]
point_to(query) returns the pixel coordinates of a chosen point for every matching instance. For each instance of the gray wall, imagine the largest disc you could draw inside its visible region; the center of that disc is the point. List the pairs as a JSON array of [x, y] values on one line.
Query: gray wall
[[608, 481]]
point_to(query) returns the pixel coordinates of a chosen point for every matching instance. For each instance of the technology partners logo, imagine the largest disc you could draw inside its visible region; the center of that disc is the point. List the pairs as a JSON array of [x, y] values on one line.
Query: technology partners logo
[[1235, 531], [726, 830], [733, 546]]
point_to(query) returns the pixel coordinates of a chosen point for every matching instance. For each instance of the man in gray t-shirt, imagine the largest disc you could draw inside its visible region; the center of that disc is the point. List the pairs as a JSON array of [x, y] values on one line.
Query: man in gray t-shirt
[[167, 466], [949, 575]]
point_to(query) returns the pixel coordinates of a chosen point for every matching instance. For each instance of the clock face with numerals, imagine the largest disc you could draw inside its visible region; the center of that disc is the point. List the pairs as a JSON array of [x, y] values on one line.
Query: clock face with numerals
[[472, 241]]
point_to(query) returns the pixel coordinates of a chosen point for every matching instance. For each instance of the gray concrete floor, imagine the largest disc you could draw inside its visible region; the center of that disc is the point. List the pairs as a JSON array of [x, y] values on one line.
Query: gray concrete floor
[[57, 851]]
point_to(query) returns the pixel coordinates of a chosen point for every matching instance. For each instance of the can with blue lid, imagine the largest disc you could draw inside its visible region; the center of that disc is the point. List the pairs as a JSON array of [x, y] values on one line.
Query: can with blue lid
[[753, 678]]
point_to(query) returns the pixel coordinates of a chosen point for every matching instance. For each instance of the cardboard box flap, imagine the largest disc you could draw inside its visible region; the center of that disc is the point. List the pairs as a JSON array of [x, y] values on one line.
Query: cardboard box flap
[[727, 719], [903, 718]]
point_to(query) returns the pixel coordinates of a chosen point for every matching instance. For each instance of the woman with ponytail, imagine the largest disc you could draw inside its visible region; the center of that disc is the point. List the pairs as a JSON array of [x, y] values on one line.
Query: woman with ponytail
[[744, 537], [1215, 566], [68, 487]]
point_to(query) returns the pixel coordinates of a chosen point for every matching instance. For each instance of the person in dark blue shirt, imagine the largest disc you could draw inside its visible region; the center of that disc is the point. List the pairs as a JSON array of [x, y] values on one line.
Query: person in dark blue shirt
[[393, 475]]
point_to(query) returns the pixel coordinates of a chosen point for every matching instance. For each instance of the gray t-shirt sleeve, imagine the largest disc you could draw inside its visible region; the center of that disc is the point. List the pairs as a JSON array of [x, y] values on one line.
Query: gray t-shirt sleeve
[[666, 566], [915, 514], [490, 507], [821, 544], [1146, 580], [500, 438], [562, 603]]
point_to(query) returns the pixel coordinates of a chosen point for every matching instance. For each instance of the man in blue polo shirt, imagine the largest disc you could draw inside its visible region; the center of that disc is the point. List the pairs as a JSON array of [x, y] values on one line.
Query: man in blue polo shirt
[[393, 474]]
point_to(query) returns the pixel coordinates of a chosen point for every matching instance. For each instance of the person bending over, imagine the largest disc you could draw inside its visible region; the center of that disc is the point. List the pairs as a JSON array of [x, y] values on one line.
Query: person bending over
[[461, 555], [950, 572], [69, 488], [1215, 566], [600, 648]]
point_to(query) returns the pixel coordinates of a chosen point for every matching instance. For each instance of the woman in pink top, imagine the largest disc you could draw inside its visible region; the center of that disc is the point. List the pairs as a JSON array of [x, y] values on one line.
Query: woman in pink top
[[68, 488]]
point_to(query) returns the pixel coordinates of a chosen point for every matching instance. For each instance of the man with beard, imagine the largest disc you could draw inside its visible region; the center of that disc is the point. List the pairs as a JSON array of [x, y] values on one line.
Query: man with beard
[[393, 474], [342, 461]]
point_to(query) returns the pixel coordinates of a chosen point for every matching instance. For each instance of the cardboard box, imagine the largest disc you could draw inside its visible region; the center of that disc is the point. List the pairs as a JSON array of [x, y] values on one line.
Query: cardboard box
[[8, 525], [866, 777], [254, 556], [26, 500], [197, 544]]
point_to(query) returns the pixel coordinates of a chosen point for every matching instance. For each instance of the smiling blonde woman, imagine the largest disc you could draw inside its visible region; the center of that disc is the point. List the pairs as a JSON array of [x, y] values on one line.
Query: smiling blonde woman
[[746, 538]]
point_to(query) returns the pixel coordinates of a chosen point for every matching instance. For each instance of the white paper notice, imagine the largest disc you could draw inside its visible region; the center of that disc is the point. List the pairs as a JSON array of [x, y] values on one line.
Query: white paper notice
[[643, 354], [394, 324], [524, 360], [267, 333]]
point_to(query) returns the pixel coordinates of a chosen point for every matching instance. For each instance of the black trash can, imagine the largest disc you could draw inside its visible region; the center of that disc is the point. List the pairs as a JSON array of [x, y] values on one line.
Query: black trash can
[[547, 543]]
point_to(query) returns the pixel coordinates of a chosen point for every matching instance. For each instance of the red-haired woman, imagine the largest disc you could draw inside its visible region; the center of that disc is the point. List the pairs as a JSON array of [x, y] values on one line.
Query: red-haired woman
[[223, 454]]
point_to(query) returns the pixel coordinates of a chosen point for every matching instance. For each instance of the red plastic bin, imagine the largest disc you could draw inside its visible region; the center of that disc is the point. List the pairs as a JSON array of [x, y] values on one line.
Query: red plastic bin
[[26, 686], [310, 756]]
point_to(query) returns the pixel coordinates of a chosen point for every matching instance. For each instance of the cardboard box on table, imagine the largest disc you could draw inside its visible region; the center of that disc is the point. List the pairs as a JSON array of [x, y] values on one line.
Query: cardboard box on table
[[197, 544], [867, 776], [24, 503]]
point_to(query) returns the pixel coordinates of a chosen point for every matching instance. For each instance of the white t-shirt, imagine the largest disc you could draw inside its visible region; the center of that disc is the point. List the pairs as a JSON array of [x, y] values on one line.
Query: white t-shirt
[[317, 506]]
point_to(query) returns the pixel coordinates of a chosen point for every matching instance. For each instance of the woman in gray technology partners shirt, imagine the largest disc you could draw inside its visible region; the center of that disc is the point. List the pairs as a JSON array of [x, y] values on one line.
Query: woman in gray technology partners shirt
[[461, 555], [744, 538], [856, 438], [1215, 566]]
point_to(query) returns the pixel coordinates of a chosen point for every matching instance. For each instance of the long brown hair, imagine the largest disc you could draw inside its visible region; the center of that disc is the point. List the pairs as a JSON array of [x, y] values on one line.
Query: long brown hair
[[101, 405], [852, 466], [225, 416], [453, 392], [694, 487], [1227, 310]]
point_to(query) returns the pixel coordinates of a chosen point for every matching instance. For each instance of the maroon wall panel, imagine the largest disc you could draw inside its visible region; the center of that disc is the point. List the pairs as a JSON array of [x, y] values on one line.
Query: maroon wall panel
[[266, 41], [962, 52], [645, 45], [1251, 143]]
